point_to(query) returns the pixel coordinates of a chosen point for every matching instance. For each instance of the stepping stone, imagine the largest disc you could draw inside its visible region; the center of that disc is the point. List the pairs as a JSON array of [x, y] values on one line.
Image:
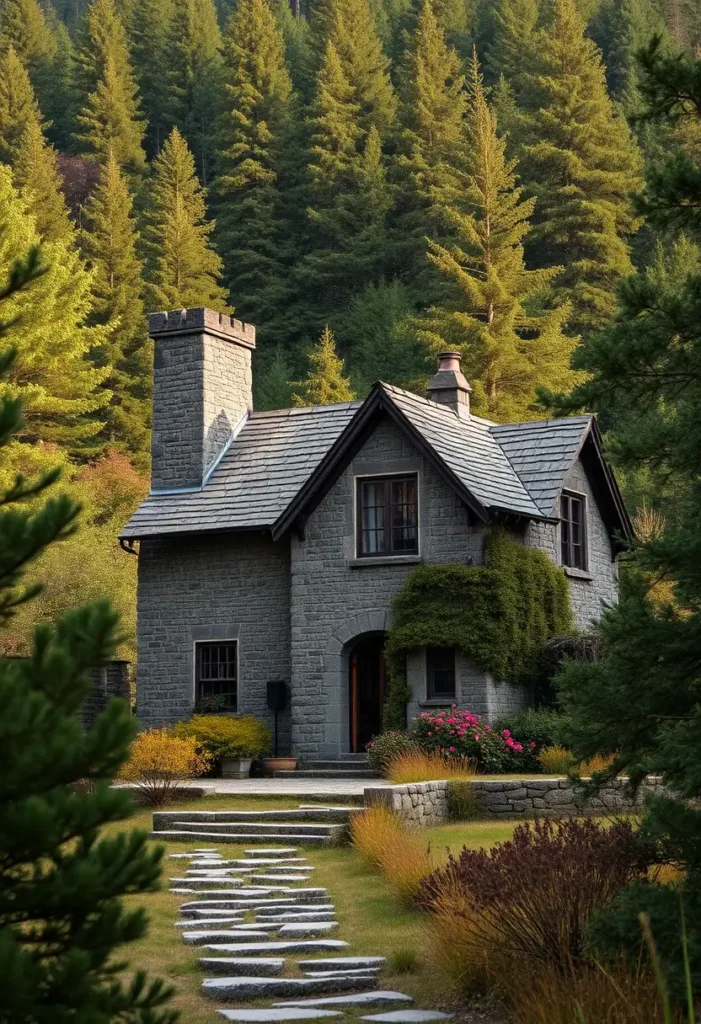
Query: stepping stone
[[301, 946], [409, 1016], [195, 854], [203, 883], [264, 967], [282, 851], [316, 908], [235, 865], [275, 1016], [298, 915], [335, 962], [207, 937], [279, 878], [296, 928], [259, 862], [361, 972], [209, 905], [219, 873], [378, 998], [205, 922], [261, 988]]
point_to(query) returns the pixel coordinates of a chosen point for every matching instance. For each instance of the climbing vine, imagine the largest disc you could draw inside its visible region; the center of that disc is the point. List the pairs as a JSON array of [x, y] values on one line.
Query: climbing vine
[[499, 614]]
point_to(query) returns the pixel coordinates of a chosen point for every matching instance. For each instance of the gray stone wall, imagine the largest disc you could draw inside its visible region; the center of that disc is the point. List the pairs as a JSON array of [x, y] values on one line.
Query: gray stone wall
[[111, 680], [426, 803], [234, 586], [336, 597], [202, 388], [590, 590]]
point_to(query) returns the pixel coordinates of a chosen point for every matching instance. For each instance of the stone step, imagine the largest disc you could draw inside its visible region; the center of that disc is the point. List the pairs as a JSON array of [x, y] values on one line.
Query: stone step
[[335, 962], [269, 826], [280, 851], [409, 1016], [338, 763], [261, 966], [261, 988], [221, 872], [269, 879], [276, 1016], [181, 836], [358, 972], [293, 929], [206, 938], [276, 946], [258, 863], [247, 904], [328, 815], [377, 998], [213, 922], [261, 892], [205, 883], [298, 915], [328, 773]]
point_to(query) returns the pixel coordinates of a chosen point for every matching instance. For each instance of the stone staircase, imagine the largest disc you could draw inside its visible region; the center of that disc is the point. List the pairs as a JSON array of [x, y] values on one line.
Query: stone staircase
[[350, 766], [307, 825]]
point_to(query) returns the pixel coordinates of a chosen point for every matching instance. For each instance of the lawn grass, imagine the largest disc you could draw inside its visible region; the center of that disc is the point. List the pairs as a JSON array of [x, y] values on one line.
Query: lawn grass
[[371, 919]]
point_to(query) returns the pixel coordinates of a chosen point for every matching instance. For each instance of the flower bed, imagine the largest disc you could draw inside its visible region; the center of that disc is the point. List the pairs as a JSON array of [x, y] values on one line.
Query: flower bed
[[455, 733]]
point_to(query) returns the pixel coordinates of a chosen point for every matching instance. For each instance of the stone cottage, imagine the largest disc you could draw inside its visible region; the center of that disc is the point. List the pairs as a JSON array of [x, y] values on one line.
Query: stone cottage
[[272, 544]]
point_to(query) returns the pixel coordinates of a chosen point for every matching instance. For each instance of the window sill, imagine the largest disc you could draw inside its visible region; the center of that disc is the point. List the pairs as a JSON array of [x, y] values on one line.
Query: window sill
[[363, 563], [446, 703], [577, 574]]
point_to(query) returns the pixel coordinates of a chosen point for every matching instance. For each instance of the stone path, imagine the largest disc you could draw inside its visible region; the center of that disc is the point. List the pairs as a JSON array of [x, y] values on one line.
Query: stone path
[[247, 923]]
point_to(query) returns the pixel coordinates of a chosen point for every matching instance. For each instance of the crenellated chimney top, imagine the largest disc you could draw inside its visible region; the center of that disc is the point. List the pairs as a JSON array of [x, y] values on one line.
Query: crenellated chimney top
[[448, 386]]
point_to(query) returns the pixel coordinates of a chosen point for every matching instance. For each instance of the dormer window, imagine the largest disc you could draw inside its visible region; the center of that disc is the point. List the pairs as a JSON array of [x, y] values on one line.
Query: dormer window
[[573, 531], [388, 516]]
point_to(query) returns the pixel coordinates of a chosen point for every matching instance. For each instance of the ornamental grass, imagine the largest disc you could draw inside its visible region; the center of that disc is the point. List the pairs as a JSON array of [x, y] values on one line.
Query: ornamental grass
[[383, 841], [421, 766], [159, 762]]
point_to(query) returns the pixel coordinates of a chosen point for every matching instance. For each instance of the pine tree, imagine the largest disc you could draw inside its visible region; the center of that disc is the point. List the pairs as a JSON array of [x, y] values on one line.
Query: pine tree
[[349, 199], [182, 269], [620, 29], [54, 88], [24, 148], [510, 48], [109, 243], [23, 26], [59, 934], [641, 698], [348, 25], [193, 75], [509, 345], [35, 173], [325, 383], [252, 130], [61, 390], [149, 34], [431, 143], [580, 162], [108, 119], [271, 380]]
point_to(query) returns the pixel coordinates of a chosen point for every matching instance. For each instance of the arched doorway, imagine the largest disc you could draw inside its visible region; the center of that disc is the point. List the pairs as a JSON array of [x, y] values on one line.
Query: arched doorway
[[366, 689]]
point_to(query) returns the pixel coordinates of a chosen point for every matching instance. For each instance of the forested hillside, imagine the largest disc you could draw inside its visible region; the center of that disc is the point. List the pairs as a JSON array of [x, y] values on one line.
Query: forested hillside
[[367, 181]]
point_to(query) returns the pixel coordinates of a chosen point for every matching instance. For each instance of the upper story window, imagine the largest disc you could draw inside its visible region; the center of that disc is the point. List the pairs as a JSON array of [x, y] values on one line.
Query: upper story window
[[440, 673], [388, 519], [216, 672], [573, 531]]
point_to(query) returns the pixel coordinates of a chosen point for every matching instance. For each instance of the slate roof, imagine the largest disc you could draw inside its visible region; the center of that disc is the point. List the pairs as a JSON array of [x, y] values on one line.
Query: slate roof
[[516, 468]]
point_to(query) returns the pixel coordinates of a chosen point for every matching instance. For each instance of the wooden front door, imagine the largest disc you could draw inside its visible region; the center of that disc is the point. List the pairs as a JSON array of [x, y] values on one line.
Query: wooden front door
[[367, 690]]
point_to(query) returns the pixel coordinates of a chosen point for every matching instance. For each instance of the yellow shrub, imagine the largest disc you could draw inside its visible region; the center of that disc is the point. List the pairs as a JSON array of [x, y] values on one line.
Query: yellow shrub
[[597, 764], [158, 761], [381, 839], [419, 766], [228, 736], [459, 946], [556, 760]]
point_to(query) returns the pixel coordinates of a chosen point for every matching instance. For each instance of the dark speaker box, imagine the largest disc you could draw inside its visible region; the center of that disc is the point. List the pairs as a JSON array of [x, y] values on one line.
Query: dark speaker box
[[277, 695]]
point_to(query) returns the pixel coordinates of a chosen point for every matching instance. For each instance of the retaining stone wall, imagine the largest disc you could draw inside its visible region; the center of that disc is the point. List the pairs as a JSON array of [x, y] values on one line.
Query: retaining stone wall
[[426, 803]]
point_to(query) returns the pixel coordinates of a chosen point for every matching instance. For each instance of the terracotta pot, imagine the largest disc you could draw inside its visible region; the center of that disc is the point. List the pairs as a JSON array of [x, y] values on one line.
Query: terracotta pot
[[279, 764], [236, 767]]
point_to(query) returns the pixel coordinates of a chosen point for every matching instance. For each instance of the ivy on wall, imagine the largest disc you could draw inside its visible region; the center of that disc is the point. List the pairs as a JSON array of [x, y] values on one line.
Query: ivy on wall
[[499, 614]]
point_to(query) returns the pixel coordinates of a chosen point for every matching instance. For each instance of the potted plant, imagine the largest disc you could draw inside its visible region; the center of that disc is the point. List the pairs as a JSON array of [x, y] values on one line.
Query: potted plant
[[279, 764], [233, 740]]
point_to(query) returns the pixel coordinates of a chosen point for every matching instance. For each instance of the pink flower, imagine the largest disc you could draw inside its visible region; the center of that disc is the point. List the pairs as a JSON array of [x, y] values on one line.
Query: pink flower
[[430, 734], [452, 750], [476, 737], [507, 732], [531, 745]]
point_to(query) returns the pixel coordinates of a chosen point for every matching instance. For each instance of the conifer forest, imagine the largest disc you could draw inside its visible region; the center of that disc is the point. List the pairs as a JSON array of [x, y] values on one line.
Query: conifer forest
[[369, 182]]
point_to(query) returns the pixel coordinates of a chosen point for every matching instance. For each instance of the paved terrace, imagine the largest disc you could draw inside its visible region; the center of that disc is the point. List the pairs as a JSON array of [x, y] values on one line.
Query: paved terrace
[[294, 788]]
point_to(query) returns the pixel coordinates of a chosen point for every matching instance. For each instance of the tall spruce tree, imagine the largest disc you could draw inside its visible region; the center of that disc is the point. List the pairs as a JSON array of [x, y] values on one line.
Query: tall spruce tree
[[109, 117], [620, 29], [491, 315], [61, 878], [510, 47], [349, 26], [252, 130], [579, 160], [23, 26], [193, 75], [108, 242], [182, 268], [55, 92], [149, 35], [431, 144], [325, 383], [641, 700], [24, 148], [62, 392], [348, 199]]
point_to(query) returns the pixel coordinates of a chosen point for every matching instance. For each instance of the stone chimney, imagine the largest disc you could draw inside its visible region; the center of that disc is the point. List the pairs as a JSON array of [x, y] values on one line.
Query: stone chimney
[[202, 389], [449, 387]]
